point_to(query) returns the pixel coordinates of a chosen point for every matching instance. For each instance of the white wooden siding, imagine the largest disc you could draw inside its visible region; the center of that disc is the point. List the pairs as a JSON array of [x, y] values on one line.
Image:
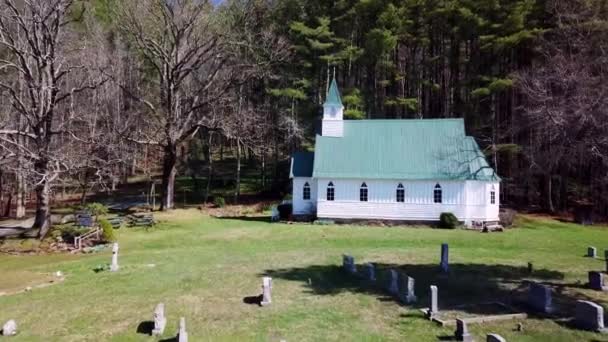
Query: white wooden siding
[[301, 206], [468, 200], [332, 128]]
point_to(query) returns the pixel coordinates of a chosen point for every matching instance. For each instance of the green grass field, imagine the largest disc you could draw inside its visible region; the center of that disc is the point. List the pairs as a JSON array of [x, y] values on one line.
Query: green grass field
[[204, 267]]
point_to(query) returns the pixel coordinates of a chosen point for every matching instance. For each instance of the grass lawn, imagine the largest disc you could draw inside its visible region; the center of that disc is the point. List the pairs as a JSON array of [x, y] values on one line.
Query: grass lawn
[[204, 267]]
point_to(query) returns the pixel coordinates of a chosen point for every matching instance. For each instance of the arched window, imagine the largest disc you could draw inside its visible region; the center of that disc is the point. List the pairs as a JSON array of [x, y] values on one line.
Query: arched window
[[363, 193], [437, 195], [306, 192], [400, 193], [492, 195], [330, 192]]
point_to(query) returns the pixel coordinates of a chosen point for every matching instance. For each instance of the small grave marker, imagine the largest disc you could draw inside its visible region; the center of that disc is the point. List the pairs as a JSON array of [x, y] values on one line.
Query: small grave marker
[[348, 262], [406, 289], [591, 252], [462, 331], [495, 338], [445, 263], [266, 291], [160, 321], [434, 308], [393, 282], [114, 267], [182, 334], [370, 272], [540, 298], [9, 328], [596, 281], [589, 316]]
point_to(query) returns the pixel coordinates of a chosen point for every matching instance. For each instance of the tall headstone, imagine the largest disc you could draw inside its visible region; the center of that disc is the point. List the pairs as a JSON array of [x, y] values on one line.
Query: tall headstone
[[462, 331], [348, 262], [370, 272], [406, 289], [445, 258], [114, 267], [182, 334], [9, 328], [540, 298], [266, 291], [495, 338], [596, 281], [393, 282], [434, 307], [589, 316], [591, 252], [160, 321]]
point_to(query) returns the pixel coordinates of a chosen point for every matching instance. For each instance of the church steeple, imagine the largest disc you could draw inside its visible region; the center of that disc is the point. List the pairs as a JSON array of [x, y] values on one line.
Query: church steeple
[[333, 112]]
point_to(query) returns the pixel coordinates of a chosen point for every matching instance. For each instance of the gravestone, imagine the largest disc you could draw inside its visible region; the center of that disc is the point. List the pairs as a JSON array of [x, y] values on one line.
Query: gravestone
[[9, 328], [370, 272], [266, 291], [589, 316], [462, 331], [445, 262], [495, 338], [182, 334], [114, 267], [393, 282], [84, 219], [591, 252], [406, 289], [160, 321], [596, 281], [348, 262], [540, 298], [433, 308]]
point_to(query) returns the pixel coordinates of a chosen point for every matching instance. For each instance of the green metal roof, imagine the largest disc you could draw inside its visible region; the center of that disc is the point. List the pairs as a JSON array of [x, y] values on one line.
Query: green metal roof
[[333, 96], [301, 164], [426, 149]]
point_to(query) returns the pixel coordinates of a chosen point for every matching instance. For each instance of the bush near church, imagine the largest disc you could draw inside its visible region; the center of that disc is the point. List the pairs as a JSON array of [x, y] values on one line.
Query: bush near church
[[448, 221]]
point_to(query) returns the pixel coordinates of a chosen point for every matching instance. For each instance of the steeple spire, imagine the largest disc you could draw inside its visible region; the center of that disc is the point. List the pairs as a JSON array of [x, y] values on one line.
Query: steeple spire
[[333, 112], [333, 95]]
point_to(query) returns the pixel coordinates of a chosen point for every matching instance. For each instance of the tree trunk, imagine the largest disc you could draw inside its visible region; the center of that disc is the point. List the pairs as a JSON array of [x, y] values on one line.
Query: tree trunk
[[43, 209], [210, 170], [549, 193], [237, 187], [21, 189], [168, 185]]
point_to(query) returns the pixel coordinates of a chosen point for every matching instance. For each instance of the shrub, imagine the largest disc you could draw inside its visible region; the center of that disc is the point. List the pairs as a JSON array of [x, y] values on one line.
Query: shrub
[[67, 232], [448, 221], [219, 201], [107, 230], [506, 217], [96, 209]]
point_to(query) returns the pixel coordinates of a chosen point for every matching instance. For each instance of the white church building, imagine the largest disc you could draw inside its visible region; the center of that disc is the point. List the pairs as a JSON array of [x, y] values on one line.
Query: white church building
[[402, 170]]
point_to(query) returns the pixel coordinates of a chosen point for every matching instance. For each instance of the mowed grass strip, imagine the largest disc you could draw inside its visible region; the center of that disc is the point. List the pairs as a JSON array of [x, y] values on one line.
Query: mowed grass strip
[[202, 268]]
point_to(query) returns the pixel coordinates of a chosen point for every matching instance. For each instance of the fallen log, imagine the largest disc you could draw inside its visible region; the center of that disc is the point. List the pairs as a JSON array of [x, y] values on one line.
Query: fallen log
[[18, 232]]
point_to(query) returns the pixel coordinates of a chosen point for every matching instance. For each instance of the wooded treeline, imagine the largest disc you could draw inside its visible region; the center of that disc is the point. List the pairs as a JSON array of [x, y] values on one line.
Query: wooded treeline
[[95, 91]]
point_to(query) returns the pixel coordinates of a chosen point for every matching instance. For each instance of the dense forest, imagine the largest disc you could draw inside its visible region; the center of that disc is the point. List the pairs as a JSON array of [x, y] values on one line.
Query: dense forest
[[94, 92]]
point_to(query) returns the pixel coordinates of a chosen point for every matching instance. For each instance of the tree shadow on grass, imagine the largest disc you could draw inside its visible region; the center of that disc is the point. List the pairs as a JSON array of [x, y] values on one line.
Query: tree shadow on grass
[[145, 327], [465, 285], [265, 219]]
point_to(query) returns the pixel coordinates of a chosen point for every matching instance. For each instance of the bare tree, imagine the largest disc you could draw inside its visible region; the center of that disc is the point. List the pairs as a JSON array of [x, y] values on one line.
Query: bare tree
[[565, 113], [44, 53], [194, 65]]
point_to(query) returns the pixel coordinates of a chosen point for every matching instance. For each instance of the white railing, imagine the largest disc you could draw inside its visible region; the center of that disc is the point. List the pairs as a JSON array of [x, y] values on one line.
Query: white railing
[[78, 240]]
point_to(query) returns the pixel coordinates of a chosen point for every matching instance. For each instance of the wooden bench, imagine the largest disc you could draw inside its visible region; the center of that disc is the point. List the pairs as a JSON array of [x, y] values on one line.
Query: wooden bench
[[116, 221], [141, 220]]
